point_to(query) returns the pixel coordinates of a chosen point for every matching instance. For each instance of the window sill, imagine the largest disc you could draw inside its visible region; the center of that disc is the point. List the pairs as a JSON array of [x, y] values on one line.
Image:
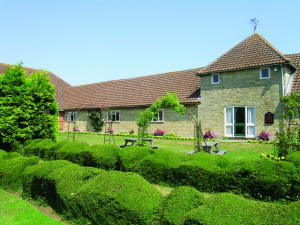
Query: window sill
[[157, 121]]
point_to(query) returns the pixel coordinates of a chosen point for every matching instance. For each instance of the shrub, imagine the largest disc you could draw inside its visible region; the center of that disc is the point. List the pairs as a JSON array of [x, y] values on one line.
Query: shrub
[[28, 150], [37, 148], [11, 168], [226, 208], [17, 147], [294, 158], [51, 150], [179, 202], [131, 157], [3, 155], [71, 150], [263, 179], [90, 195], [101, 156]]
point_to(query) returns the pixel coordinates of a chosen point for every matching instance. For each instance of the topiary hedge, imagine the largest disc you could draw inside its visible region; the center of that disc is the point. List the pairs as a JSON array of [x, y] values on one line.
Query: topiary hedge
[[294, 158], [179, 202], [51, 149], [95, 196], [132, 156], [263, 179], [71, 152], [226, 208], [12, 166], [101, 156]]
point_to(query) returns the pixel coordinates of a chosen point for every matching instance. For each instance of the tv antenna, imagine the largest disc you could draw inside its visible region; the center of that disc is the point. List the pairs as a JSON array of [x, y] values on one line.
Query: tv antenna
[[254, 23]]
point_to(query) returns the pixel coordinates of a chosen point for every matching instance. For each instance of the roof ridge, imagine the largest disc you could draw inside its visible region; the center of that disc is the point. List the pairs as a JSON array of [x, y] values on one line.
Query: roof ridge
[[272, 47], [140, 77]]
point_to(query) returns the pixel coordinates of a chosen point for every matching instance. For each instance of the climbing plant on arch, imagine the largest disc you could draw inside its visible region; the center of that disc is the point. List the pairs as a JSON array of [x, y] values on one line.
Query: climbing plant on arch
[[144, 122]]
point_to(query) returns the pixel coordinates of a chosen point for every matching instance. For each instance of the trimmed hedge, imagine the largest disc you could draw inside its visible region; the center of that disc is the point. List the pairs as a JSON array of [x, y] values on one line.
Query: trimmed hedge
[[71, 152], [294, 158], [51, 150], [179, 202], [3, 154], [101, 156], [29, 149], [12, 166], [132, 156], [263, 179], [227, 208], [93, 195]]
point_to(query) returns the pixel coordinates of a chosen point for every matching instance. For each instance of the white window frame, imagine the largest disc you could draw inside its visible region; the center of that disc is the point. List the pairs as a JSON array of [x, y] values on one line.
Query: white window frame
[[269, 75], [246, 122], [212, 78], [158, 116], [72, 119], [114, 113]]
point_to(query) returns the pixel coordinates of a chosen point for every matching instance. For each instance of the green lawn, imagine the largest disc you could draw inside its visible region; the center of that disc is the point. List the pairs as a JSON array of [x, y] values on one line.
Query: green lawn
[[14, 210], [235, 150]]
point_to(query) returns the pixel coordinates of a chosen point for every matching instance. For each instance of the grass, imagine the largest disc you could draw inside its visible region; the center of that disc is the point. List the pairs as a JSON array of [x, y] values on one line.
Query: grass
[[14, 210], [235, 150]]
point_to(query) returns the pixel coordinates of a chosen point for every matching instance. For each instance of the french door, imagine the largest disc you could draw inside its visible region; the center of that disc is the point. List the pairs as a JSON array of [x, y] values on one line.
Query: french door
[[240, 121]]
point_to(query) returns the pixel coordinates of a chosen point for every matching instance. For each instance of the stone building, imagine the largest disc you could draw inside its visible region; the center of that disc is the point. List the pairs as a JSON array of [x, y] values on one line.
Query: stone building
[[237, 96]]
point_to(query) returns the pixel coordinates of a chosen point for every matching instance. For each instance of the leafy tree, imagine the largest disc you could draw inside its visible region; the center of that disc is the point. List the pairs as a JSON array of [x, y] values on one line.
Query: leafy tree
[[27, 106]]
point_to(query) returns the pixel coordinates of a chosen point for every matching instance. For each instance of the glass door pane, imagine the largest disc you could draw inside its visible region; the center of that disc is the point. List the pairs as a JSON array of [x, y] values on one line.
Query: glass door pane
[[239, 125]]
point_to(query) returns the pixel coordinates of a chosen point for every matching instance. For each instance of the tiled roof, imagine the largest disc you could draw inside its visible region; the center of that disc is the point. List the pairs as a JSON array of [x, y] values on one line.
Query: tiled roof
[[55, 80], [139, 91], [295, 59], [251, 52]]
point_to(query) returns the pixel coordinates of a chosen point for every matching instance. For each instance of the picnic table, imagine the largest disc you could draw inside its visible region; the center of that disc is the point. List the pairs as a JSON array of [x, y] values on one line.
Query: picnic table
[[134, 140], [207, 147]]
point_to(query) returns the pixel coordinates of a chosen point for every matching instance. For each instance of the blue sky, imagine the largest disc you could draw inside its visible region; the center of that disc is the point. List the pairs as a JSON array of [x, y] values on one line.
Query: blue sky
[[93, 41]]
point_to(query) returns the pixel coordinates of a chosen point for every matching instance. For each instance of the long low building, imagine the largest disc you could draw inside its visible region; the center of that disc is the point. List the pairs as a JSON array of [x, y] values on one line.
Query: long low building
[[236, 96]]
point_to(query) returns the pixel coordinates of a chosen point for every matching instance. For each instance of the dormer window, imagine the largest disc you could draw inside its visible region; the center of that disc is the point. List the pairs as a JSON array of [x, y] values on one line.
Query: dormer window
[[264, 73], [215, 79]]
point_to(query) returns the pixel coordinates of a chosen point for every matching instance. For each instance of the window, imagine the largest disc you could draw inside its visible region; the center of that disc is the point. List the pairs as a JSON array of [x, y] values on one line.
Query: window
[[114, 116], [240, 121], [72, 116], [160, 116], [215, 79], [264, 73]]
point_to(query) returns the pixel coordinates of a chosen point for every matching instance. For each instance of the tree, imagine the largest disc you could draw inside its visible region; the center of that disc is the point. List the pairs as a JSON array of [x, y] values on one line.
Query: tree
[[27, 106]]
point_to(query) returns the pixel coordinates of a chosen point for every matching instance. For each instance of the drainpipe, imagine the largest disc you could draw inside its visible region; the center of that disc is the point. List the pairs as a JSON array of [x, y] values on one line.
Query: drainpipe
[[283, 89]]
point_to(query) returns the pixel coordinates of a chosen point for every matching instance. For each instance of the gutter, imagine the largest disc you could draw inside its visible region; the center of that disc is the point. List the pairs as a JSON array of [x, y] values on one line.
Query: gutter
[[244, 68]]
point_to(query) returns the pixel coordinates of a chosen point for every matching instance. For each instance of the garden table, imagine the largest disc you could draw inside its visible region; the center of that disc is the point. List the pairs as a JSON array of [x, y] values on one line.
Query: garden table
[[134, 140], [207, 147]]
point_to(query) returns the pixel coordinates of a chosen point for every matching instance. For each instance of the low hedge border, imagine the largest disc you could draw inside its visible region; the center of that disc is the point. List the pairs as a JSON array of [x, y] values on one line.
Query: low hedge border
[[91, 195], [263, 179], [94, 196], [12, 166]]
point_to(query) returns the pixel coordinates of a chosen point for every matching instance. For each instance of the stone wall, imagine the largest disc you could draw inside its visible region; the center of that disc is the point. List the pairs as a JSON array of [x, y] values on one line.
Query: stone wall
[[176, 123], [241, 88]]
